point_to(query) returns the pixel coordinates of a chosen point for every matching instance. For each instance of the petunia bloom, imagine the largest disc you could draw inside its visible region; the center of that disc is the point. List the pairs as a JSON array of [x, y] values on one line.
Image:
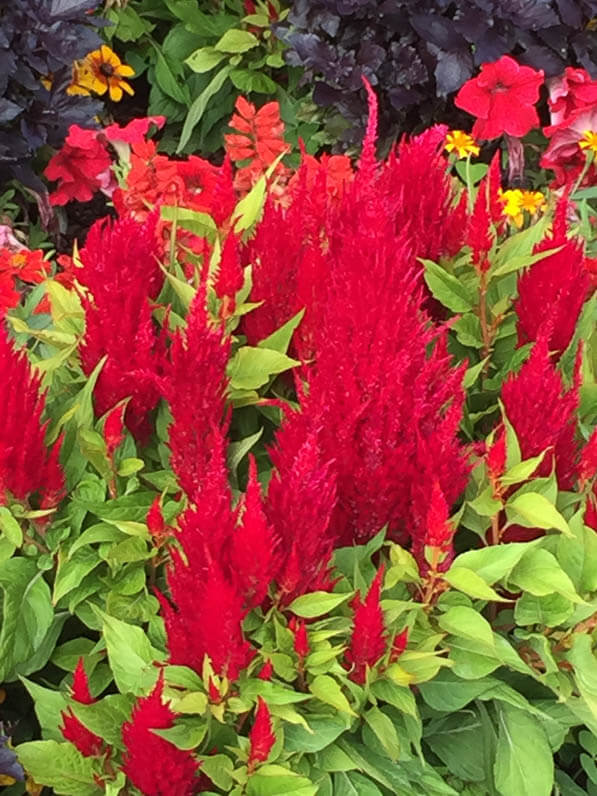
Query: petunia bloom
[[502, 97]]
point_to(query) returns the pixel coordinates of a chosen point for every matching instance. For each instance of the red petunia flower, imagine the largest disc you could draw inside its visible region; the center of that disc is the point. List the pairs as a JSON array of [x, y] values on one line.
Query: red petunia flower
[[502, 97]]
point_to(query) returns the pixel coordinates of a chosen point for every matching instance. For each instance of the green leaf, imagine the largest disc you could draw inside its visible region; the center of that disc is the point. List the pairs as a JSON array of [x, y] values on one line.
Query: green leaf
[[248, 211], [446, 288], [460, 620], [10, 527], [236, 41], [185, 734], [317, 603], [522, 471], [251, 367], [328, 690], [279, 781], [130, 656], [130, 466], [400, 697], [539, 573], [204, 59], [59, 766], [250, 80], [280, 339], [72, 570], [323, 731], [385, 731], [494, 562], [520, 244], [467, 581], [48, 706], [533, 510], [219, 769], [106, 717], [523, 761], [200, 224], [199, 105], [517, 263], [549, 610]]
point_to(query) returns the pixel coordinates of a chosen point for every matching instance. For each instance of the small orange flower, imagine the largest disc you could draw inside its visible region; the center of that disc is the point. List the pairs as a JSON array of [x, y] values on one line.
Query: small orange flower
[[461, 143], [101, 71]]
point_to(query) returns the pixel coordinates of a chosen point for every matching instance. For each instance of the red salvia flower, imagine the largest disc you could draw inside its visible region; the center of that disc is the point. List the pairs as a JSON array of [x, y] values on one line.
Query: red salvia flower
[[114, 429], [72, 729], [502, 97], [121, 272], [154, 765], [27, 466], [368, 640], [261, 737]]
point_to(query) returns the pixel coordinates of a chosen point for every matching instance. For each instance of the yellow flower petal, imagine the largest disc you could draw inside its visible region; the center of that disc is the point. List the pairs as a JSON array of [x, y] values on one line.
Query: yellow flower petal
[[115, 92], [128, 88], [125, 71], [109, 56]]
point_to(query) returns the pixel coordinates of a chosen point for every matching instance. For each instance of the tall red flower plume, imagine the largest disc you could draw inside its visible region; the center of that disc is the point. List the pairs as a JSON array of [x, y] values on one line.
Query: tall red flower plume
[[72, 729], [502, 97], [27, 466], [368, 640], [560, 281], [122, 274], [114, 429], [479, 233], [252, 548], [206, 619], [439, 531], [194, 385], [301, 495], [543, 416], [261, 737], [154, 765]]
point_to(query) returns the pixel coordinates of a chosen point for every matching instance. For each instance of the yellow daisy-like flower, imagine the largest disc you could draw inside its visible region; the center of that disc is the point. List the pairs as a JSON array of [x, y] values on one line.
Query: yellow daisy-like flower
[[512, 200], [588, 141], [462, 143], [532, 201], [101, 71]]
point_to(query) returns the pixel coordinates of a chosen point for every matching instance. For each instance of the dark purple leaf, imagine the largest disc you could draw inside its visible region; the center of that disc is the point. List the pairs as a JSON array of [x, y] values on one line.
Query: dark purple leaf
[[452, 70], [438, 30]]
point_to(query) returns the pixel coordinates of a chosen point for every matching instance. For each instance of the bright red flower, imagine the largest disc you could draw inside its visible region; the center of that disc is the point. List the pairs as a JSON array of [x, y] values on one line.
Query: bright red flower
[[496, 456], [301, 639], [155, 520], [135, 131], [27, 466], [399, 645], [252, 548], [230, 276], [587, 467], [194, 384], [122, 274], [82, 167], [154, 765], [439, 531], [114, 429], [569, 93], [261, 737], [479, 233], [368, 640], [543, 416], [72, 729], [266, 671], [559, 281], [502, 97]]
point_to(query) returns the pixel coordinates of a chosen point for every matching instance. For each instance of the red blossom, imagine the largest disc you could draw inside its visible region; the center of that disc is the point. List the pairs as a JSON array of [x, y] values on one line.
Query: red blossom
[[266, 671], [368, 640], [439, 530], [122, 274], [559, 281], [587, 467], [261, 737], [114, 429], [230, 276], [27, 466], [479, 233], [399, 645], [155, 519], [135, 131], [301, 639], [496, 455], [252, 548], [80, 687], [82, 167], [73, 730], [154, 765], [502, 97]]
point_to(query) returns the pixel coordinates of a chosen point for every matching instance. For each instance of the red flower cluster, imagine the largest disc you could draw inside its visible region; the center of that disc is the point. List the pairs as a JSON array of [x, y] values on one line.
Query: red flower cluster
[[502, 97], [27, 467], [73, 730], [122, 274], [154, 765], [258, 138], [19, 265], [83, 165], [368, 641], [573, 107]]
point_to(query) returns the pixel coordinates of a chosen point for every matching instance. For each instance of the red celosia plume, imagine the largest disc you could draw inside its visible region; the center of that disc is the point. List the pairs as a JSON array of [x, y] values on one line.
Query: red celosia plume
[[28, 467], [261, 737], [368, 640], [154, 765], [72, 729]]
